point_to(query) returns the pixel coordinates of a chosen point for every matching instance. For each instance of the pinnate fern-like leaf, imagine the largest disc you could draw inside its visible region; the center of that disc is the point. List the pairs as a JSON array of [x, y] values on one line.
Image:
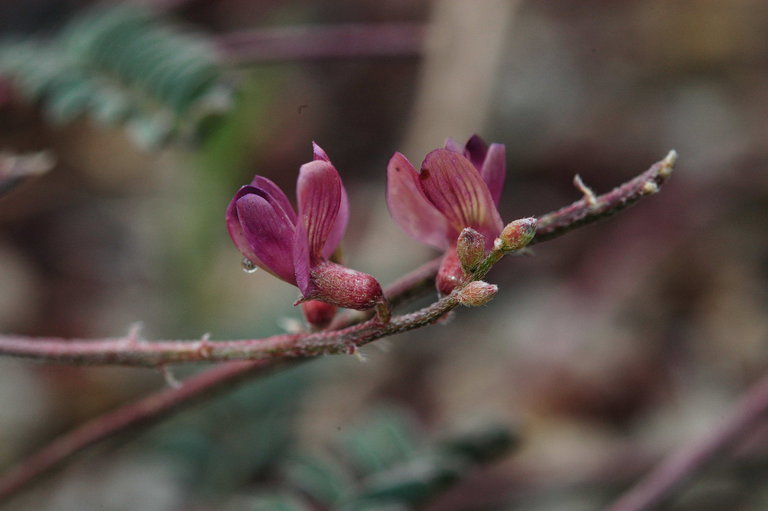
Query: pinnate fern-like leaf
[[122, 64]]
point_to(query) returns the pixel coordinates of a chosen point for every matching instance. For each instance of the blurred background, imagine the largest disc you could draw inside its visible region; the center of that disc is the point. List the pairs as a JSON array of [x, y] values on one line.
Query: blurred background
[[608, 348]]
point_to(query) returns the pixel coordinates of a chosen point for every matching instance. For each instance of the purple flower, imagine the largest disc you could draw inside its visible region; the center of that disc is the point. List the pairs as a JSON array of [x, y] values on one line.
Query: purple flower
[[457, 187], [296, 246]]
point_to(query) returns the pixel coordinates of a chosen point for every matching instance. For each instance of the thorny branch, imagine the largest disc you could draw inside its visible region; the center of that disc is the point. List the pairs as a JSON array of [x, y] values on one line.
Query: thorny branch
[[592, 208], [135, 352], [345, 339]]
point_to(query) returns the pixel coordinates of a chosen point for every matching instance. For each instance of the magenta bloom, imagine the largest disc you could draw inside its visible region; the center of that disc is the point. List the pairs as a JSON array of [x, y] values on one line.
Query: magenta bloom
[[297, 247], [456, 188]]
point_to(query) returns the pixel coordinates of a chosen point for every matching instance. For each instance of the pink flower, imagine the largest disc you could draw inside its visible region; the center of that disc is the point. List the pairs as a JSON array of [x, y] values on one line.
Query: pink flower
[[297, 247], [455, 189]]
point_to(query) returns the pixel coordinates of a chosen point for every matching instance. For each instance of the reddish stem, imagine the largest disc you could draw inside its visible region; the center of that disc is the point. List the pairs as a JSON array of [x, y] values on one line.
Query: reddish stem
[[222, 377], [134, 352], [145, 411], [156, 406], [592, 208], [314, 43], [693, 458]]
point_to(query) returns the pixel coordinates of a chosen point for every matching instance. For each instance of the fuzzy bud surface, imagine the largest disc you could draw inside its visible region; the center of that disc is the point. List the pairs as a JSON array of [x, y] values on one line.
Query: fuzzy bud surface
[[470, 249], [517, 234], [477, 293], [345, 287]]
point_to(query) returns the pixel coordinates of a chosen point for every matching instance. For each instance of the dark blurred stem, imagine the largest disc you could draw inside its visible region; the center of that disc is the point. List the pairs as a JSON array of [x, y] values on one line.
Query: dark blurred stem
[[414, 284], [317, 43], [156, 406], [224, 376], [140, 413], [312, 42], [693, 458]]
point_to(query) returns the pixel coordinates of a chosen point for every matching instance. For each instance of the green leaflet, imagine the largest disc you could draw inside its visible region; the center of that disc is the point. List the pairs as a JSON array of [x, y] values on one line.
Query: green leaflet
[[386, 463], [122, 65]]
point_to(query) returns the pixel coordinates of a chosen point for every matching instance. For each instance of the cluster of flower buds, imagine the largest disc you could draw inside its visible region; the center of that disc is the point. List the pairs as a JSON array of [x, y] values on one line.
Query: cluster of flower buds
[[450, 204]]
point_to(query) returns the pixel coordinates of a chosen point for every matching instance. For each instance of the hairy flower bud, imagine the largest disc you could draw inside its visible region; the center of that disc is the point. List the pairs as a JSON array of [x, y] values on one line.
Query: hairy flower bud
[[345, 287], [477, 293], [517, 234], [450, 273], [470, 248], [318, 314]]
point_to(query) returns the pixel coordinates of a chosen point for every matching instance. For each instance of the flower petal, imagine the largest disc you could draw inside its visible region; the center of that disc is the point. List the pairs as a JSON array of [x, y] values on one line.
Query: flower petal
[[268, 231], [454, 146], [276, 193], [318, 153], [236, 230], [340, 226], [302, 262], [411, 208], [457, 190], [319, 192], [475, 151], [494, 170]]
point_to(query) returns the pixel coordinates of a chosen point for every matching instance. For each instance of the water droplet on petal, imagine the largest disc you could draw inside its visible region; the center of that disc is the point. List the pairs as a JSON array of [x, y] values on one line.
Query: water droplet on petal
[[248, 266]]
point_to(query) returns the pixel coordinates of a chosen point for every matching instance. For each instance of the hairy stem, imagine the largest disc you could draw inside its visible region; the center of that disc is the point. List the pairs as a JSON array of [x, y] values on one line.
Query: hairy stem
[[592, 208], [205, 384], [135, 352], [224, 376]]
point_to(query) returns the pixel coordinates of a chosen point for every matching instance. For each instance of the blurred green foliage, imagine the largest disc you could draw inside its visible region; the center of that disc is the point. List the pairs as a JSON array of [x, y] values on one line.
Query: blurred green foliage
[[243, 448], [385, 462], [121, 64], [213, 173]]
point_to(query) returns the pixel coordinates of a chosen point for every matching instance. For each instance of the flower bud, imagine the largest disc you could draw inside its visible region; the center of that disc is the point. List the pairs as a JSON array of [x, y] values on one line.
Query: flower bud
[[450, 274], [470, 248], [517, 234], [344, 287], [318, 314], [477, 293]]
